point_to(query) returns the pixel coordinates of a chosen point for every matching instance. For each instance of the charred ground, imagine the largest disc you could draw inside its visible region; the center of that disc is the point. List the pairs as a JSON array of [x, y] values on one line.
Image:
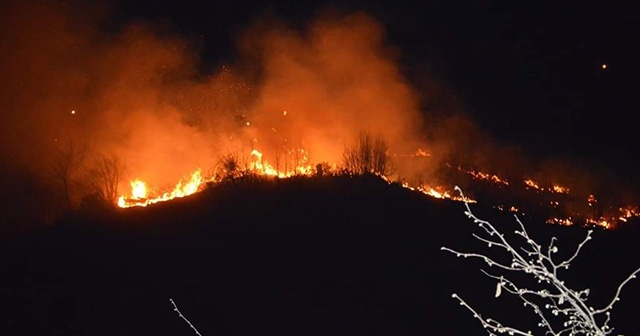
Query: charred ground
[[315, 256]]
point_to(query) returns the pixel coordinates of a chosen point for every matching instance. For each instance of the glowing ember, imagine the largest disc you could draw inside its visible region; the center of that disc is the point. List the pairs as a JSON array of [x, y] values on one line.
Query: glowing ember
[[629, 212], [557, 189], [560, 189], [443, 193], [560, 221], [599, 222], [532, 184], [484, 176], [421, 152]]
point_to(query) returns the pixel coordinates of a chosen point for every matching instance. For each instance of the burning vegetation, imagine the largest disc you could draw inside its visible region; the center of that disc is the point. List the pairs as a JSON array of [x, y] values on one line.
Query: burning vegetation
[[127, 117], [369, 156]]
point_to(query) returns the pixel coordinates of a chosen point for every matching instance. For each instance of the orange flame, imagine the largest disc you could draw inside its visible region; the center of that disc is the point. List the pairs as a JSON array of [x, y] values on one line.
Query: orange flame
[[139, 196], [484, 176], [532, 184]]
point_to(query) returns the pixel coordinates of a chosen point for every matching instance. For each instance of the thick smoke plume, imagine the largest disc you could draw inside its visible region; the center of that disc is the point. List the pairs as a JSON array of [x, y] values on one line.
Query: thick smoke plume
[[135, 92], [70, 79]]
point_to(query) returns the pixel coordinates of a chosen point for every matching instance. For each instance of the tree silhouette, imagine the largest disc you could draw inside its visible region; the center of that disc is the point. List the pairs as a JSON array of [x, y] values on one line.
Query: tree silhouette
[[104, 178], [368, 155], [65, 165]]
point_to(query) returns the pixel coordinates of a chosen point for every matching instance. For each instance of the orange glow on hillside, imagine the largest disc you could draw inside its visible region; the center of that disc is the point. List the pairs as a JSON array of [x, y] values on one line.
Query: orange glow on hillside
[[485, 176], [139, 196]]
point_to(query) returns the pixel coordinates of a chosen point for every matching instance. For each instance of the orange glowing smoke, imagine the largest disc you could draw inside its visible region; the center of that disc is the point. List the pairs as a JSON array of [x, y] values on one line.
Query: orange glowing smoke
[[139, 94]]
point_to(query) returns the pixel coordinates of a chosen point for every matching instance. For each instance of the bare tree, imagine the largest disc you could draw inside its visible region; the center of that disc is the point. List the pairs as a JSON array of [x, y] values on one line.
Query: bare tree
[[368, 155], [66, 163], [560, 309], [104, 178]]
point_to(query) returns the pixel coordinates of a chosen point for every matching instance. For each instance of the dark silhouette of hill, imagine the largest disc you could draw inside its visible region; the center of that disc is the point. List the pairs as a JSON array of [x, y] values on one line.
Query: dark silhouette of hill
[[302, 256]]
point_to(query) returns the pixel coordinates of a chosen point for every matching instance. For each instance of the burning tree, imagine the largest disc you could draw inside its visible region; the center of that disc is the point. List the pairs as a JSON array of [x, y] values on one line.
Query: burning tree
[[368, 155], [561, 310]]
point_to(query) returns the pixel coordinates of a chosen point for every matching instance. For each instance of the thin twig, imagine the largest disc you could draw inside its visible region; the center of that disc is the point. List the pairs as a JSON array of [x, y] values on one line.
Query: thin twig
[[175, 308], [556, 299]]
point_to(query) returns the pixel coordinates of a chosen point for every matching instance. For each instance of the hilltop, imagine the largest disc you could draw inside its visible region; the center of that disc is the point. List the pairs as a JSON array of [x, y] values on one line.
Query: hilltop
[[341, 255]]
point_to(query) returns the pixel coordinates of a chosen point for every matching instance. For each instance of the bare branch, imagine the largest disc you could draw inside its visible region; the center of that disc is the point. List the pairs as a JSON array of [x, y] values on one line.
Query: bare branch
[[557, 299], [616, 297], [175, 308]]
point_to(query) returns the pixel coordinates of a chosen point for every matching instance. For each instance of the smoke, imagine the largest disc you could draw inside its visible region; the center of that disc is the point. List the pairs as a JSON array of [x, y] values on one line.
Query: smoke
[[68, 76], [135, 91], [335, 79]]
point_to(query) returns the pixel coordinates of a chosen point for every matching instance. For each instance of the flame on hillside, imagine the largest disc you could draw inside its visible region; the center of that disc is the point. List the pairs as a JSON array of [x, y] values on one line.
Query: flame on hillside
[[136, 93], [552, 189], [140, 195]]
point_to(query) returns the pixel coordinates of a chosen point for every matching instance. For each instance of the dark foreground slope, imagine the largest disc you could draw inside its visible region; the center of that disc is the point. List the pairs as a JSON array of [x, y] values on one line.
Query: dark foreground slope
[[326, 256]]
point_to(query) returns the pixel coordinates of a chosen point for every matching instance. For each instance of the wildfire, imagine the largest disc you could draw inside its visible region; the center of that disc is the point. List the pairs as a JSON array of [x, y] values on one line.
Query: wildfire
[[532, 184], [138, 189], [560, 221], [628, 212], [555, 189], [560, 189], [599, 222], [438, 192], [139, 194], [490, 177], [261, 167]]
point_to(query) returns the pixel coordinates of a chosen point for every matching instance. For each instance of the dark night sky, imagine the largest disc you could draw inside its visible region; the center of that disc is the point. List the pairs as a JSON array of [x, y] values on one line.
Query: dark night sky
[[528, 74]]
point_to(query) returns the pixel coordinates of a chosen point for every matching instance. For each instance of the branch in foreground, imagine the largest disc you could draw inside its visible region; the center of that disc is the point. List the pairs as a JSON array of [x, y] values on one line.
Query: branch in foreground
[[175, 308], [553, 298]]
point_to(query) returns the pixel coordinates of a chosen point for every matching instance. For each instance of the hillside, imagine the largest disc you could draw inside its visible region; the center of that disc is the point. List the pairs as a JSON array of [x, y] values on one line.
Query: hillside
[[301, 256]]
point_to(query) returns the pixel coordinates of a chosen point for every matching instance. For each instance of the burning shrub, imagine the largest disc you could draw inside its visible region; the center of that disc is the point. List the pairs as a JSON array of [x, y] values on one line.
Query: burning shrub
[[561, 310], [231, 167], [368, 155], [322, 169]]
